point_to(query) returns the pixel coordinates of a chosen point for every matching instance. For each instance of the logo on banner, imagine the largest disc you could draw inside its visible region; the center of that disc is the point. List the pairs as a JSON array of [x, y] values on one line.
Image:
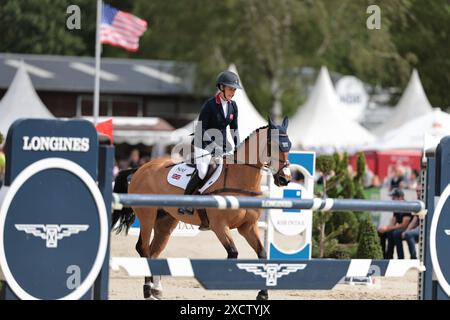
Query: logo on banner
[[271, 271], [51, 232]]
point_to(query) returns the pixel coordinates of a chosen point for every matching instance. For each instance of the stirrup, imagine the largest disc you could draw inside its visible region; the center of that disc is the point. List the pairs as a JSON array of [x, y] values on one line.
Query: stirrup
[[188, 211]]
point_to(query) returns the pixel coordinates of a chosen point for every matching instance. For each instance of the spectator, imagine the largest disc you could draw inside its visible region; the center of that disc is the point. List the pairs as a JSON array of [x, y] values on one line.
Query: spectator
[[411, 235], [398, 178], [392, 233], [413, 179], [134, 159]]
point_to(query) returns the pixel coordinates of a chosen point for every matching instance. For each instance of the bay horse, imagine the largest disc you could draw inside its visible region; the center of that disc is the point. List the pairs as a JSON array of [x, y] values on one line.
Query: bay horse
[[267, 147]]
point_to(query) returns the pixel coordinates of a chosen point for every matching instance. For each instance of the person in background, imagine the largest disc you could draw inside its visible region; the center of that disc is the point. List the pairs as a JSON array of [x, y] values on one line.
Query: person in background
[[392, 232], [134, 159], [411, 235], [413, 180], [398, 179]]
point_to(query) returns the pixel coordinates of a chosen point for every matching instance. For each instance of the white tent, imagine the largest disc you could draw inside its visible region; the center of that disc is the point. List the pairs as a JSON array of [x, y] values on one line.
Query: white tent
[[21, 101], [419, 133], [249, 118], [412, 104], [322, 124]]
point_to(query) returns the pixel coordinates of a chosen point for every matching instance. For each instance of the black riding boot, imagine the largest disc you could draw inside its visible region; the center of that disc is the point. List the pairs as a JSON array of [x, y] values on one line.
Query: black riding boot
[[190, 188]]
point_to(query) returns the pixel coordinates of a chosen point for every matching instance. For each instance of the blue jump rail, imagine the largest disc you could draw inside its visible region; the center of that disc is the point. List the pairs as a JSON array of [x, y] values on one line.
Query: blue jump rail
[[232, 202]]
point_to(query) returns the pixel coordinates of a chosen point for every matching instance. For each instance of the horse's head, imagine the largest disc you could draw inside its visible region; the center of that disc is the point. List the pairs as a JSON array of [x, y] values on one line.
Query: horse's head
[[278, 146]]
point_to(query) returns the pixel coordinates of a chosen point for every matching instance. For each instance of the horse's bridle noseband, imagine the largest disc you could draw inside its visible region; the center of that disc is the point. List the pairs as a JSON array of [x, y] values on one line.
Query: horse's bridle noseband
[[284, 164]]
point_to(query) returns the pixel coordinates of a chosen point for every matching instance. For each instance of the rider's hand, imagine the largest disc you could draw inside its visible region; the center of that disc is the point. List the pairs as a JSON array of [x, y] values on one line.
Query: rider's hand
[[217, 159]]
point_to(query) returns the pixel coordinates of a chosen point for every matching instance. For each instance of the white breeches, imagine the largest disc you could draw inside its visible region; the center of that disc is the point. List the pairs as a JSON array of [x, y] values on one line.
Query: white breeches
[[202, 160]]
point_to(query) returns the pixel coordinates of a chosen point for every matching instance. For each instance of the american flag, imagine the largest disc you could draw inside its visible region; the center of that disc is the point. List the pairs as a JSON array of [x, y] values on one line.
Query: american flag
[[121, 29]]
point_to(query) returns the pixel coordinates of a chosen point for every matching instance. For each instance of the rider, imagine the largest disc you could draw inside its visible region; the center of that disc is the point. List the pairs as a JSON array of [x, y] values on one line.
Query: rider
[[217, 112]]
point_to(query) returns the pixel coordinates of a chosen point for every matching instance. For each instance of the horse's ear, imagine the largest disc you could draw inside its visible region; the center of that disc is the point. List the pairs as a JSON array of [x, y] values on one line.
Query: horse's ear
[[285, 123]]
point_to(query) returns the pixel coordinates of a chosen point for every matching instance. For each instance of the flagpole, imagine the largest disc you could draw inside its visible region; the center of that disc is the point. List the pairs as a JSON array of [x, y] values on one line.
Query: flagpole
[[98, 49]]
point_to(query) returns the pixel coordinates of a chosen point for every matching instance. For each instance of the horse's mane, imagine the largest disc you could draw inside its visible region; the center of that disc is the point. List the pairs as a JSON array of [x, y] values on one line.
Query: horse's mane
[[250, 135]]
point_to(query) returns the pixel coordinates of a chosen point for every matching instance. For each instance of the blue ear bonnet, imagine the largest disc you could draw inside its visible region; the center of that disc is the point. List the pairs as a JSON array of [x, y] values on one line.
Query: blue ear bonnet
[[285, 143], [283, 140]]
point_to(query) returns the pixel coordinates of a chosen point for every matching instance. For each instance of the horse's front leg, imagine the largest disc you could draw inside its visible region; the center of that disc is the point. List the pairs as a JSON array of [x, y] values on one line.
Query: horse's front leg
[[223, 233], [250, 232]]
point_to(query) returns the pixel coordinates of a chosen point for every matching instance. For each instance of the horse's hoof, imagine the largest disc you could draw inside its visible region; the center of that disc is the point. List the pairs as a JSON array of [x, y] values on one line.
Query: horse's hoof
[[157, 294], [152, 294], [262, 295]]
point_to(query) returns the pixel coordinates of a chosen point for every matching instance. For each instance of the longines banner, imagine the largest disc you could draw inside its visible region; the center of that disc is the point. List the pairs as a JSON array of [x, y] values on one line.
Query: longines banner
[[51, 245]]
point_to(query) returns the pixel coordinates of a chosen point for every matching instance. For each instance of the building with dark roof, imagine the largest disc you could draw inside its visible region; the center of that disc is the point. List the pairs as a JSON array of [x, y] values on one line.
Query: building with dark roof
[[128, 87]]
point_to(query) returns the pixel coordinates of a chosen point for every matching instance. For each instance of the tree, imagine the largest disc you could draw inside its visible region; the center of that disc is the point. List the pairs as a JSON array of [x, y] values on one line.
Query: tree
[[422, 39], [39, 26], [268, 25], [331, 229], [368, 241], [326, 165]]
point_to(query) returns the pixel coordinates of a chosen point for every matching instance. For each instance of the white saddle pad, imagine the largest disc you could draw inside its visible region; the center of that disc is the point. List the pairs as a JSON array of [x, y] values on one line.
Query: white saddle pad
[[180, 174]]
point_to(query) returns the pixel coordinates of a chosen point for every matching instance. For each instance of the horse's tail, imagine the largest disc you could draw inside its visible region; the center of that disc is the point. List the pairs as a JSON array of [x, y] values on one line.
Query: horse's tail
[[125, 216]]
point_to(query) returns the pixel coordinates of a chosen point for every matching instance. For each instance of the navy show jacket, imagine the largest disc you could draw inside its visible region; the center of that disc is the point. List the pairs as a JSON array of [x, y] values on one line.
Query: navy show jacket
[[212, 116]]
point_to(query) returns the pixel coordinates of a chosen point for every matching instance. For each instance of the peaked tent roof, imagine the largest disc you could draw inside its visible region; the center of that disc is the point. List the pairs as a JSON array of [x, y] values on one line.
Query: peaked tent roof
[[417, 133], [21, 101], [321, 123], [249, 118], [412, 104]]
